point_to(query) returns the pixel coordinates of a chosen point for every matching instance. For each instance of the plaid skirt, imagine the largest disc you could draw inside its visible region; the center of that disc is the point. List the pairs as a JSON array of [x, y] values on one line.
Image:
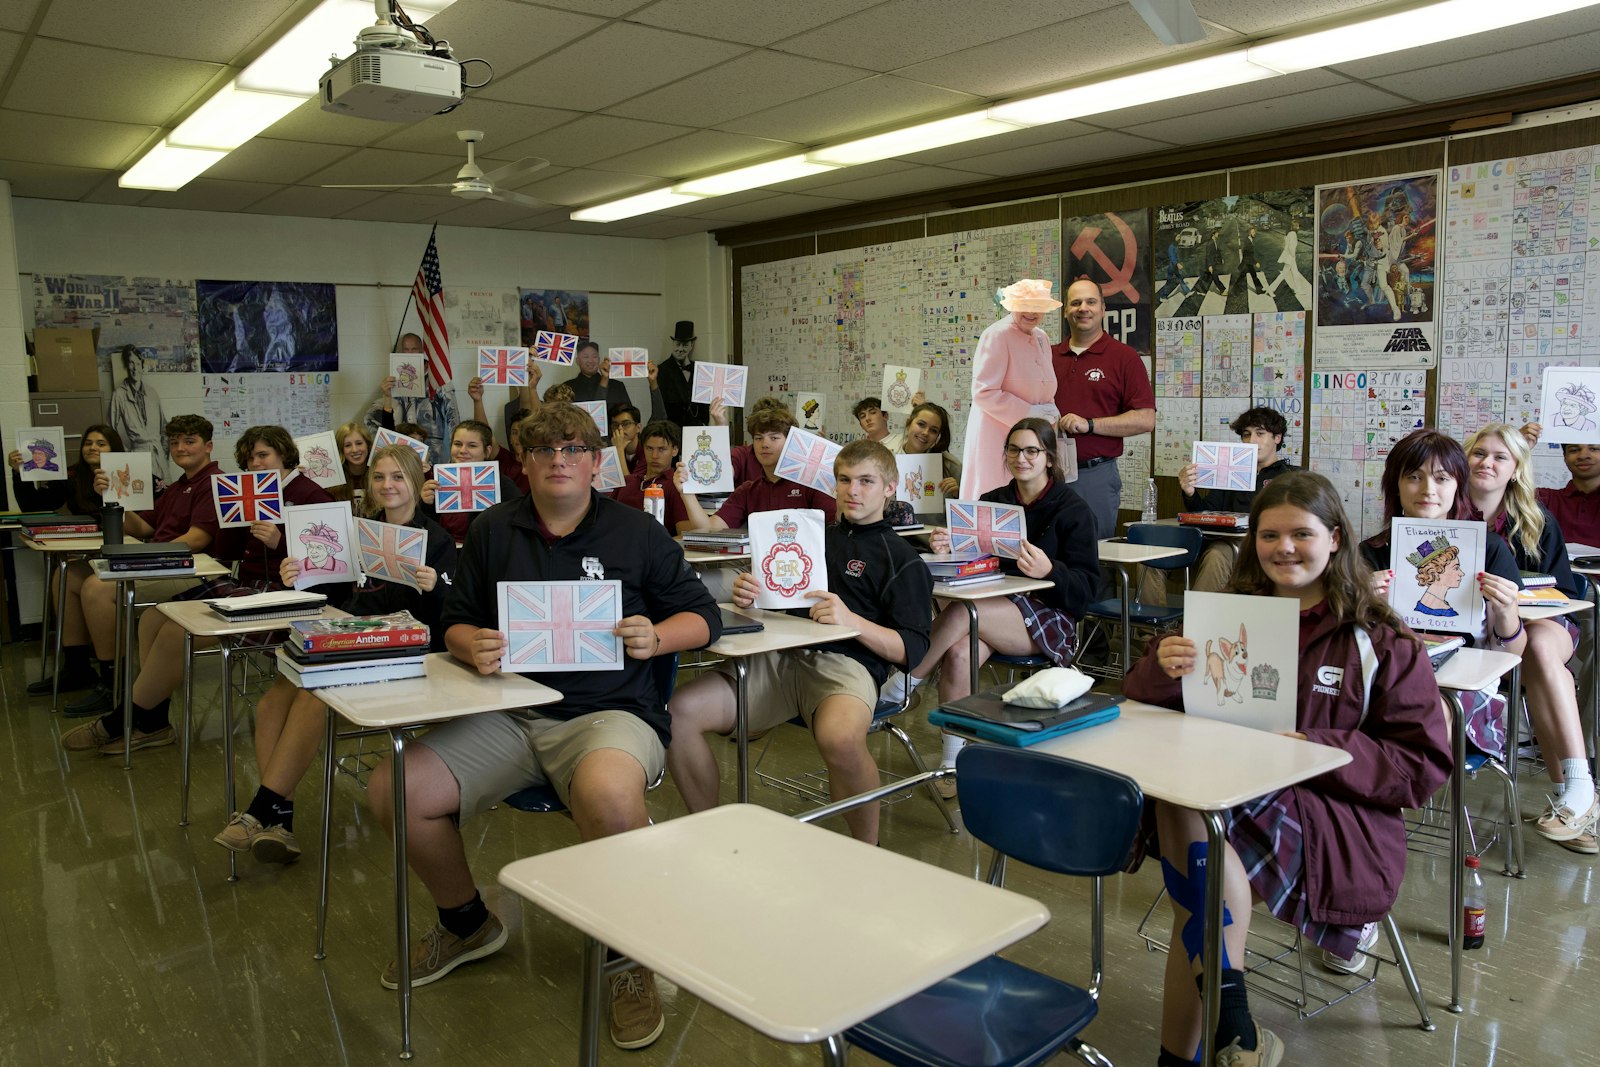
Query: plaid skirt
[[1267, 835], [1053, 632]]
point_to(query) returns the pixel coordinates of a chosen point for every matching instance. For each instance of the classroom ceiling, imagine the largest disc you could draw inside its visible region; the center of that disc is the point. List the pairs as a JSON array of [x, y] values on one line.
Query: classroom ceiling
[[623, 96]]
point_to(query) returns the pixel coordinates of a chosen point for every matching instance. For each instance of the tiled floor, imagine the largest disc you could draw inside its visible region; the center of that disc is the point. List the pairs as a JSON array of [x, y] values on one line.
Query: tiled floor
[[121, 941]]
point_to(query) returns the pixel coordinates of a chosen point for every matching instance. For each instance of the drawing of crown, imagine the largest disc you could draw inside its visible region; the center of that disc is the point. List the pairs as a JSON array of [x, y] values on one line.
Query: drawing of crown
[[1429, 549], [900, 376], [786, 529], [704, 439], [1264, 681]]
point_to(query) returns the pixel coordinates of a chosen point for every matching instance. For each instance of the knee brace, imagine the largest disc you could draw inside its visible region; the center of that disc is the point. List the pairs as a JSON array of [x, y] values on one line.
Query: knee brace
[[1189, 892]]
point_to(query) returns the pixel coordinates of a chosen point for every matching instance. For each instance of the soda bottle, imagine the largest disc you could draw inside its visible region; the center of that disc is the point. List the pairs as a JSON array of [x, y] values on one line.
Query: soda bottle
[[655, 502], [1149, 514], [1473, 907]]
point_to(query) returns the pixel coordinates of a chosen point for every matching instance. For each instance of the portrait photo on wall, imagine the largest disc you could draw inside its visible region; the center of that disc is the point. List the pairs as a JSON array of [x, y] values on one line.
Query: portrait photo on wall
[[250, 327], [1114, 250], [1234, 255], [553, 310]]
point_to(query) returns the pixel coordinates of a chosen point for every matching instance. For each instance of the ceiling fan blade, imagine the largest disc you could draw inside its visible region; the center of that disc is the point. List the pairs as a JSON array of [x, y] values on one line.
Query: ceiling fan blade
[[514, 171], [507, 197], [431, 185], [1173, 22]]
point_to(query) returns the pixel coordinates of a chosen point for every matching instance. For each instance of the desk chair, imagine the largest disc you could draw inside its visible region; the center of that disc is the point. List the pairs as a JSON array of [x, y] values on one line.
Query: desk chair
[[1102, 614], [1055, 814]]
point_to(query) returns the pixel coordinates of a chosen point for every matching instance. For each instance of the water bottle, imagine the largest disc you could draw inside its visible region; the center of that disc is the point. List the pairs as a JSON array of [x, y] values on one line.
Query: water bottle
[[1474, 905], [1149, 513], [111, 524], [655, 502]]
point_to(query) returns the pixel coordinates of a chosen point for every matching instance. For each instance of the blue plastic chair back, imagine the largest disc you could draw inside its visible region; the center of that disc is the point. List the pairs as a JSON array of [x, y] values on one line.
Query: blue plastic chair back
[[1187, 538], [1055, 814]]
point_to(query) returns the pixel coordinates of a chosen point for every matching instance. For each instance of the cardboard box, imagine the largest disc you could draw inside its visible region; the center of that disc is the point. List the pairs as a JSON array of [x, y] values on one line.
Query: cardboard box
[[64, 360]]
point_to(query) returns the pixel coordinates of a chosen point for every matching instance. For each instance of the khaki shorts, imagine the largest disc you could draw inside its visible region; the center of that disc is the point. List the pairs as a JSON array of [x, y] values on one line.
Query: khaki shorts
[[796, 681], [496, 754]]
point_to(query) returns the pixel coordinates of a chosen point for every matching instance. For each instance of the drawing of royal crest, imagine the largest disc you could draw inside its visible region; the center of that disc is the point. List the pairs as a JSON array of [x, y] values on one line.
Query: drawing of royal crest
[[786, 568], [704, 464], [899, 390]]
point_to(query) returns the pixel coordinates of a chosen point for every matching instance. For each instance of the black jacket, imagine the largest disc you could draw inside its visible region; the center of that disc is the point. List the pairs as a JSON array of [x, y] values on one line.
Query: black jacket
[[1235, 499], [1061, 526], [75, 492]]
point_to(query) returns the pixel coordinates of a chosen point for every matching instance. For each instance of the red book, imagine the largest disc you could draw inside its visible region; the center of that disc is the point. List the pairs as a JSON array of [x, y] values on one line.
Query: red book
[[1227, 520], [358, 633]]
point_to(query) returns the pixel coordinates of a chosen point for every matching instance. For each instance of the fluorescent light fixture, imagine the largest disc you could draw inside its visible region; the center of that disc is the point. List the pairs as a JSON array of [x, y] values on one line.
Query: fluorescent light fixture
[[628, 207], [168, 168], [1163, 83], [1403, 30], [912, 139], [737, 181], [232, 117], [298, 59]]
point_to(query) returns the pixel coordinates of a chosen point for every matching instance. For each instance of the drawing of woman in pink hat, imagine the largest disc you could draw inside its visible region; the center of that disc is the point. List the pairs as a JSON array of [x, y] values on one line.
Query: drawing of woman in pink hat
[[1012, 379], [322, 549]]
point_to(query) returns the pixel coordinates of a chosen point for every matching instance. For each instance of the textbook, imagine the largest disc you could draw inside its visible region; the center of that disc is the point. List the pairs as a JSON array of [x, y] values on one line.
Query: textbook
[[281, 604], [732, 542], [988, 717], [350, 672], [45, 529], [400, 630], [971, 579], [953, 565], [1222, 520], [1547, 597], [1535, 580], [143, 556]]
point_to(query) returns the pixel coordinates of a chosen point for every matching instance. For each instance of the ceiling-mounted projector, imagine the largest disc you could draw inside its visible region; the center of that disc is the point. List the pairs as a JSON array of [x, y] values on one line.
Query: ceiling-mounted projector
[[392, 76]]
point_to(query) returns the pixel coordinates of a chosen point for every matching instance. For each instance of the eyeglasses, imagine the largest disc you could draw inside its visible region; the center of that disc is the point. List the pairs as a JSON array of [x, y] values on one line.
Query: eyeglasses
[[623, 424], [1012, 452], [546, 453]]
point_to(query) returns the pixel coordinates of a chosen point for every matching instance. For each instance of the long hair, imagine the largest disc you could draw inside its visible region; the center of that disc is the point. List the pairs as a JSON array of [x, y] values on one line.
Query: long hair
[[1045, 431], [1419, 450], [410, 469], [942, 445], [1347, 580], [343, 433], [1521, 502]]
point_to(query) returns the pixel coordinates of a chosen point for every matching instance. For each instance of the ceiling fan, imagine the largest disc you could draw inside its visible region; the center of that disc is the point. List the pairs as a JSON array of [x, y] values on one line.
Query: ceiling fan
[[473, 184]]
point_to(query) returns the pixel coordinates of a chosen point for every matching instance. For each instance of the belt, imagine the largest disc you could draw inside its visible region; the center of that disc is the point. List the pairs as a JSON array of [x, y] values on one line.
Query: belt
[[1085, 464]]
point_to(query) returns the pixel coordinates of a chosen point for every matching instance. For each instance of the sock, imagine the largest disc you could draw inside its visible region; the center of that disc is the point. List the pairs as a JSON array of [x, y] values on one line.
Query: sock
[[465, 920], [1233, 1019], [271, 809], [108, 672], [952, 746], [74, 660], [112, 721], [1172, 1059], [1579, 794], [149, 720]]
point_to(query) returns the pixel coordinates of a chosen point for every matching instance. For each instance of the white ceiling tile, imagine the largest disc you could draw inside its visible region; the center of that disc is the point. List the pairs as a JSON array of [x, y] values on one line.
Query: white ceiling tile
[[588, 186], [1073, 152], [661, 227], [1232, 96], [109, 192], [501, 124], [609, 66], [311, 203], [9, 43], [1255, 17], [840, 113], [960, 155], [1554, 59], [401, 207], [57, 78], [704, 207], [539, 222], [309, 122], [593, 137], [371, 166], [1411, 59], [592, 229], [604, 8], [752, 82], [697, 153], [17, 14], [730, 19], [912, 180], [207, 194], [842, 175], [507, 34], [282, 162], [1280, 113], [878, 38], [48, 182], [187, 29], [773, 207], [70, 142], [485, 213]]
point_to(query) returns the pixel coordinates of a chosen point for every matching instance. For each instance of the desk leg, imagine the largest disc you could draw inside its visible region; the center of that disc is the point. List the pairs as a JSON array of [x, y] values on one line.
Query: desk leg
[[1211, 960], [327, 834], [45, 606], [126, 673], [402, 901], [835, 1051], [741, 725], [972, 645], [594, 1002], [60, 631], [1458, 846], [1513, 762], [1594, 696], [1123, 579], [188, 725], [229, 798]]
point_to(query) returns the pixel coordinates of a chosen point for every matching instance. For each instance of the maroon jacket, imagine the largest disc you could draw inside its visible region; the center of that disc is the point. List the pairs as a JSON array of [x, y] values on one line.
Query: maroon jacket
[[1355, 837]]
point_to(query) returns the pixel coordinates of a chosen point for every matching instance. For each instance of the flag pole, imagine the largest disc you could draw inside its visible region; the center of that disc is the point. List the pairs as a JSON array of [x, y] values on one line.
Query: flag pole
[[411, 296]]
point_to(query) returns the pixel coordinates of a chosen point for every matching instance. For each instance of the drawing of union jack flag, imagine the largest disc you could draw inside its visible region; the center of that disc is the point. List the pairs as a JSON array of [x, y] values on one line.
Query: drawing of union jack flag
[[719, 381], [629, 362], [552, 626], [609, 475], [977, 526], [389, 551], [808, 459], [503, 366], [246, 497], [466, 487], [551, 347], [1223, 465]]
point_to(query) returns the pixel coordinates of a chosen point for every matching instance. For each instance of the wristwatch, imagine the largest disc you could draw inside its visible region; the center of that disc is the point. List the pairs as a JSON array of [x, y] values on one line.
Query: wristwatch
[[1091, 427]]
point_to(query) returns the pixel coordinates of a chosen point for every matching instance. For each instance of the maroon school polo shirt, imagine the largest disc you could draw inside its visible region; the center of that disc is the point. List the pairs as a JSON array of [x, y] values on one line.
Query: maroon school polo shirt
[[632, 495], [185, 503], [759, 494], [1107, 379], [1576, 512]]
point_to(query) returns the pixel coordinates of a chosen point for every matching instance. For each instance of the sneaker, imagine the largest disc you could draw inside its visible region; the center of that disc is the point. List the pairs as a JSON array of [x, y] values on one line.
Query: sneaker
[[91, 737], [945, 787], [636, 1018], [70, 683], [1560, 824], [274, 844], [96, 701], [1267, 1053], [154, 739], [440, 952], [1357, 960], [1584, 844], [239, 833]]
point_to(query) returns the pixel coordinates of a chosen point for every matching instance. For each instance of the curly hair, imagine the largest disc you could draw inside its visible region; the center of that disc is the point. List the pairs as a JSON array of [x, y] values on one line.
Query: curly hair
[[275, 438], [554, 423]]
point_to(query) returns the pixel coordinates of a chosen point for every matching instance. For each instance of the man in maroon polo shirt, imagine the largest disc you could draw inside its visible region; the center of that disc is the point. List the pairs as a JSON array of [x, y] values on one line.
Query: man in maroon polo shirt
[[1103, 393]]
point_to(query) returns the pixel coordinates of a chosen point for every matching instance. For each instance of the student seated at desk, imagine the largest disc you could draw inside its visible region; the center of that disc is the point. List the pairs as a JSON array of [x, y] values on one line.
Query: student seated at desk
[[470, 442], [506, 456], [927, 430], [1503, 496], [622, 420], [75, 495], [599, 746], [183, 512], [1327, 855], [662, 443], [1060, 546], [291, 722], [868, 413], [355, 442], [1425, 477], [745, 467], [769, 427], [1264, 428], [877, 584]]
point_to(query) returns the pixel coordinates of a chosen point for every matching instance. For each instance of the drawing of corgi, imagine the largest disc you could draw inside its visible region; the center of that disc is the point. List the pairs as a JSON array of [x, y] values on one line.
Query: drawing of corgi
[[1226, 670]]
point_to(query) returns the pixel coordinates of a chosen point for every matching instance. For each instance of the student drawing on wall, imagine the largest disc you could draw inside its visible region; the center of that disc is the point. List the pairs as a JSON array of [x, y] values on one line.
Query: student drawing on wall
[[1438, 564], [323, 550], [1576, 402]]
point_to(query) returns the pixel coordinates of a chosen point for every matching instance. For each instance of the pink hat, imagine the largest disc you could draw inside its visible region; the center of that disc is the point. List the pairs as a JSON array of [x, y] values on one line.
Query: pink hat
[[1029, 294], [321, 531]]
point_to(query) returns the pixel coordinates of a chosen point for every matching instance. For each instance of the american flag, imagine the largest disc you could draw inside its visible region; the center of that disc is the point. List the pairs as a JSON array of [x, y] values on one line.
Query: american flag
[[503, 366], [976, 526], [808, 459], [629, 362], [428, 291], [551, 347], [719, 381], [1224, 466], [466, 487], [560, 625], [246, 497], [389, 551]]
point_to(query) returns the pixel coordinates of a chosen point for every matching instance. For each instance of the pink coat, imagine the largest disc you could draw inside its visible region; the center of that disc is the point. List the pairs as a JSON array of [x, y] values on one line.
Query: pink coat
[[1010, 374]]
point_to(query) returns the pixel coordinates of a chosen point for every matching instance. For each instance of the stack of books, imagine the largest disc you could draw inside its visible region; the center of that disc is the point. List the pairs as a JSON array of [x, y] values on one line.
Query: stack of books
[[283, 604], [988, 717], [350, 651], [150, 559], [955, 571], [735, 542], [57, 527], [1220, 520]]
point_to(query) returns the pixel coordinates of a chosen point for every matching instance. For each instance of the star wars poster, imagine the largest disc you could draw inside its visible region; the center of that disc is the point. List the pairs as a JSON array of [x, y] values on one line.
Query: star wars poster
[[1376, 268], [1114, 250], [1234, 255], [253, 327]]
